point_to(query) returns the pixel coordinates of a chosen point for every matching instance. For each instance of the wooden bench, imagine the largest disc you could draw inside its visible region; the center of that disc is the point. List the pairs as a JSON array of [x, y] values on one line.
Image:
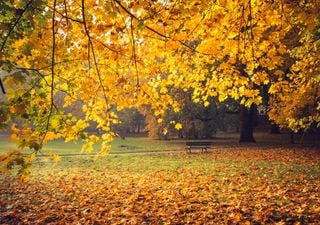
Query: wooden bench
[[197, 144]]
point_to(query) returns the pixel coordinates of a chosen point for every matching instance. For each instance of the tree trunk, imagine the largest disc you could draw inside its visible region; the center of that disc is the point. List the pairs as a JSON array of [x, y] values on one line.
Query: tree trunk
[[291, 137], [247, 123], [138, 127], [275, 129]]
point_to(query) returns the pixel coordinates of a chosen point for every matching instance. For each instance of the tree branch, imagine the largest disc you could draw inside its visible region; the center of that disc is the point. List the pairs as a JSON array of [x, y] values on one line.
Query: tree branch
[[2, 87], [94, 57], [157, 32], [134, 52], [66, 15], [53, 28], [14, 25], [251, 30]]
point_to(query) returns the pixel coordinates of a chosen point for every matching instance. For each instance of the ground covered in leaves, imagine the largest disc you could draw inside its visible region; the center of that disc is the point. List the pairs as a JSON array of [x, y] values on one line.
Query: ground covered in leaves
[[234, 186]]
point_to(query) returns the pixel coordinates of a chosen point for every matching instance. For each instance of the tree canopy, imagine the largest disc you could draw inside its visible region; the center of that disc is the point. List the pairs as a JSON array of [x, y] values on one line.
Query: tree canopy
[[115, 54]]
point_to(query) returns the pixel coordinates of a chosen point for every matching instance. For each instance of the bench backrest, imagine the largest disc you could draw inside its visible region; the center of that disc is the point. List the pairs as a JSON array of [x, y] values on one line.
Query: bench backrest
[[197, 143]]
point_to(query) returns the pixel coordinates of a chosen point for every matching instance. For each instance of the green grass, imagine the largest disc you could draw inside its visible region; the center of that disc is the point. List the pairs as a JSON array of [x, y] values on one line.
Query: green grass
[[220, 164], [206, 164], [139, 144]]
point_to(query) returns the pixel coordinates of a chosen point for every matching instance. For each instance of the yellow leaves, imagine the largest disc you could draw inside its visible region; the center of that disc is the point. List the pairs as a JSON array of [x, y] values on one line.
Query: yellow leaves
[[166, 99], [26, 131], [56, 158], [279, 73], [55, 123], [178, 126], [281, 86], [163, 90], [19, 43], [236, 217], [17, 108], [182, 36], [316, 210], [87, 147], [207, 46], [31, 157], [164, 131], [51, 156], [222, 97], [249, 101], [14, 128], [94, 138], [51, 136], [108, 137], [68, 101], [176, 107], [260, 78], [81, 124], [13, 138]]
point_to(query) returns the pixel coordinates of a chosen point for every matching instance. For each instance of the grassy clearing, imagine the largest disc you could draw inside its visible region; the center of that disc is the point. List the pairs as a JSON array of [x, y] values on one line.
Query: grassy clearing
[[274, 161], [140, 144]]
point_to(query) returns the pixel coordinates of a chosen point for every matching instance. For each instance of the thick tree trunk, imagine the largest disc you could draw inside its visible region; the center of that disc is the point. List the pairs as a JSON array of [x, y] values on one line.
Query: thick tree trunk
[[291, 137], [247, 123], [275, 129]]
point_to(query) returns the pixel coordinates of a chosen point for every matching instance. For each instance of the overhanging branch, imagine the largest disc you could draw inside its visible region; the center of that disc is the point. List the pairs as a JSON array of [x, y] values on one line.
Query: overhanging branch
[[5, 39]]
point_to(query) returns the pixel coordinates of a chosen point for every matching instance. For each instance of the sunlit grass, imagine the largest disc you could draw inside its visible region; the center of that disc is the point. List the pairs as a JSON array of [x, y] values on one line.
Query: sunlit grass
[[207, 164], [134, 144]]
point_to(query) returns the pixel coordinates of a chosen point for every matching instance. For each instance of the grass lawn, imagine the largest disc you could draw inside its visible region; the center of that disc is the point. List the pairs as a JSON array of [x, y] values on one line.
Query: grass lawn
[[140, 144], [243, 185]]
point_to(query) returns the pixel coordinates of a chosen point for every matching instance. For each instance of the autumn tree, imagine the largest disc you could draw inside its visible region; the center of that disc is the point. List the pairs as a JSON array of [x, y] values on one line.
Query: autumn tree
[[130, 121], [110, 55]]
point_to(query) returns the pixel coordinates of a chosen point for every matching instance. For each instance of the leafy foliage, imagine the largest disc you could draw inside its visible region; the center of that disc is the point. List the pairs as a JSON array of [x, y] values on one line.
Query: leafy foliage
[[111, 55]]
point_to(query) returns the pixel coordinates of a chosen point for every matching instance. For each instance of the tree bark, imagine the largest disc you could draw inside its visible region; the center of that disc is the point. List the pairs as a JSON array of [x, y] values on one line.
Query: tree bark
[[291, 137], [275, 129], [247, 123]]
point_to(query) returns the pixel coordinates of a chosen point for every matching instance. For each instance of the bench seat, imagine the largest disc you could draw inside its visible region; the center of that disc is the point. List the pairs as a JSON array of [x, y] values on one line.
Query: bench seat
[[203, 145]]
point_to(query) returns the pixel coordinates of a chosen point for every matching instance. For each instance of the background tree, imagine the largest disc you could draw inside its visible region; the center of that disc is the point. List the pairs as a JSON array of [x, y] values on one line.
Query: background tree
[[131, 121]]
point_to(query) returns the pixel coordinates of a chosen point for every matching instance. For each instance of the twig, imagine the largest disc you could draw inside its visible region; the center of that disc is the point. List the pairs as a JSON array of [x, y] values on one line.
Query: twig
[[2, 87], [94, 58], [134, 52], [158, 33], [5, 39], [251, 30], [52, 70], [66, 16]]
